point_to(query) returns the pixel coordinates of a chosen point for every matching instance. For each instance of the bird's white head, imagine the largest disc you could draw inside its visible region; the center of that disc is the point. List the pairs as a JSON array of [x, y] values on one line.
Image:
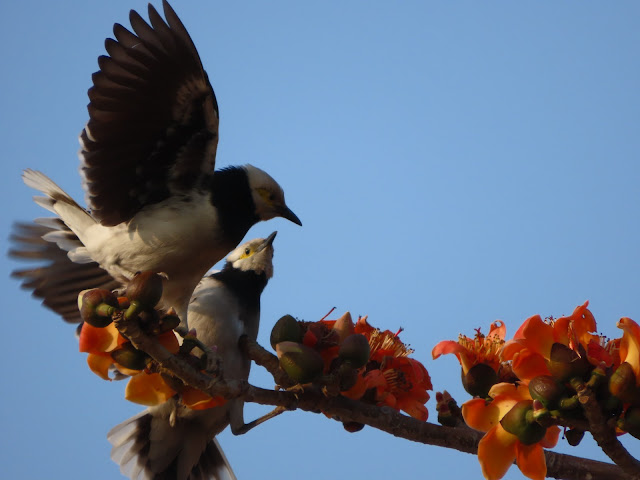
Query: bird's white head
[[268, 196], [256, 255]]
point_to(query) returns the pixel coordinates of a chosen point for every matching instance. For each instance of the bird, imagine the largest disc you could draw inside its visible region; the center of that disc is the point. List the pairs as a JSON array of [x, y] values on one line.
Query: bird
[[147, 162], [171, 441]]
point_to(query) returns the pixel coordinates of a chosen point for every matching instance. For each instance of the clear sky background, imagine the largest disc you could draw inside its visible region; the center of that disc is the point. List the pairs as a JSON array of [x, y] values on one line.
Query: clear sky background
[[453, 163]]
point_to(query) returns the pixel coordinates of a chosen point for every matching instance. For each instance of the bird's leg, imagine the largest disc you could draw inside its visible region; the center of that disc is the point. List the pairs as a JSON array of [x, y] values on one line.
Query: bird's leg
[[209, 355], [238, 427]]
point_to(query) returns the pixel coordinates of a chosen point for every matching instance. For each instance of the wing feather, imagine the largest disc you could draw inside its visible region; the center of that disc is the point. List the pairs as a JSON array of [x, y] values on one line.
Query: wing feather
[[153, 119]]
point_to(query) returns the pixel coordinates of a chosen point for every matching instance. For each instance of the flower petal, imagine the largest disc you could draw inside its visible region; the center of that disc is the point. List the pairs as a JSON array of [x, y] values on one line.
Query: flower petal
[[496, 452], [551, 437], [98, 340], [498, 329], [99, 363], [527, 364], [198, 400], [480, 414], [531, 461], [169, 341], [630, 345], [148, 389]]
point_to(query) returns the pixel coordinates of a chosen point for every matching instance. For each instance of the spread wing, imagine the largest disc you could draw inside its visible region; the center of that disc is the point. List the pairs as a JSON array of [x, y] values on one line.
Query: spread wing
[[153, 119], [55, 278]]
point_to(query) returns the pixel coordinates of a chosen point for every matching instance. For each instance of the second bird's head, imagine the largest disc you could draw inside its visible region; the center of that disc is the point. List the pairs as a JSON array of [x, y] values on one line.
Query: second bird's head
[[268, 196], [256, 256]]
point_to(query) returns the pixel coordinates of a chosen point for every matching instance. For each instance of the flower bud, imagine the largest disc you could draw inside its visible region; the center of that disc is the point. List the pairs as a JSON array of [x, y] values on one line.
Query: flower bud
[[145, 288], [565, 363], [301, 363], [285, 330], [517, 421], [479, 380], [622, 383], [355, 350], [96, 306], [130, 357], [352, 427], [574, 436], [165, 323], [632, 421], [545, 389], [344, 326], [347, 377]]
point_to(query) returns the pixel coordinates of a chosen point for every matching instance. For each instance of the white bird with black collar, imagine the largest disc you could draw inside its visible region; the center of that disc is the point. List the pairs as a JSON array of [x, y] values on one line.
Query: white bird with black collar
[[147, 163]]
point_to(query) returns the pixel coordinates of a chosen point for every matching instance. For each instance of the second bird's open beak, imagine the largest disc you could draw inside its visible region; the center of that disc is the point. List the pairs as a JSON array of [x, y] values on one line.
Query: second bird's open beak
[[267, 242]]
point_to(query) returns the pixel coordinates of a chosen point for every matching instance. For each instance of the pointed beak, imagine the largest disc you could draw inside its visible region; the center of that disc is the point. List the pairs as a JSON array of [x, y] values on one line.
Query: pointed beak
[[267, 242], [285, 212]]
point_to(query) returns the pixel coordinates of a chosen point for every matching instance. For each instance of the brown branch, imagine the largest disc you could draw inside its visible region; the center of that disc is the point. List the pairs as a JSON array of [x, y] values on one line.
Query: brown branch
[[605, 433], [342, 409]]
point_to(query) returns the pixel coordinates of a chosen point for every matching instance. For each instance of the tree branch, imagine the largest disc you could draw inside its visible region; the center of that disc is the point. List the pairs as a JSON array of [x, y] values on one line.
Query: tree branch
[[343, 409], [604, 433]]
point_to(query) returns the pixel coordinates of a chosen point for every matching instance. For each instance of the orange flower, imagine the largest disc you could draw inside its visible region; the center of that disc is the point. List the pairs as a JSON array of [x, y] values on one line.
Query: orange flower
[[399, 381], [498, 448], [472, 351], [531, 346], [630, 345], [148, 389], [402, 383]]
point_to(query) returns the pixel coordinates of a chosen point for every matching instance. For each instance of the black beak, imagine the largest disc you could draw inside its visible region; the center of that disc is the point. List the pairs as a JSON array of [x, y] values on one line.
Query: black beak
[[267, 242], [285, 212]]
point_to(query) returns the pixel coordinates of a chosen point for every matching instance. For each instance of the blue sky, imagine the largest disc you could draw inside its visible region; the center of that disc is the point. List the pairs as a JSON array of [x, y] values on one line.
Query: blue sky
[[453, 163]]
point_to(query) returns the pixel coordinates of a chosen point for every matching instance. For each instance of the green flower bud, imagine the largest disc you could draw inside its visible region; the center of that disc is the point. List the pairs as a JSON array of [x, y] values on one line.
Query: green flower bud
[[565, 363], [518, 422], [622, 383], [96, 306], [632, 421], [355, 350], [545, 389], [165, 323], [301, 363], [479, 380], [146, 289], [130, 357], [347, 376], [286, 329]]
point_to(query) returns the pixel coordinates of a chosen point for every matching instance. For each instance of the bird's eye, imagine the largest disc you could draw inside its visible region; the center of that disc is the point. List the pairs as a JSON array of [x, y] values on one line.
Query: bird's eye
[[247, 251]]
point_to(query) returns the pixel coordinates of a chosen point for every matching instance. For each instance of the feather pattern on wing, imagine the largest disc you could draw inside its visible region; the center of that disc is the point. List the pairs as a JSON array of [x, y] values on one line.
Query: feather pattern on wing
[[153, 119]]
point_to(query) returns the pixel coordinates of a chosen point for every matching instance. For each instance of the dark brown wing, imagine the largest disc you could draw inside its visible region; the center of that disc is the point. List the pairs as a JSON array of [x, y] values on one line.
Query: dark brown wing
[[55, 278], [153, 119]]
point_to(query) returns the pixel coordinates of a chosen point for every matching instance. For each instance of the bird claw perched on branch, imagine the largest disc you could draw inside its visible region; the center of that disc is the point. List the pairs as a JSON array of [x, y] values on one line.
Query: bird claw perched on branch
[[209, 358]]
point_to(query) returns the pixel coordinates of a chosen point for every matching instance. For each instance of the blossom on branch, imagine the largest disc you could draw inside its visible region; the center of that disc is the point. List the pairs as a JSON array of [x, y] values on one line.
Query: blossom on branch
[[366, 363], [511, 432]]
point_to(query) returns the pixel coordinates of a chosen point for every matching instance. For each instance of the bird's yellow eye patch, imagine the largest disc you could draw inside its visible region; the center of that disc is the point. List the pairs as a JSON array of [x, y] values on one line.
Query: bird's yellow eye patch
[[266, 195], [247, 253]]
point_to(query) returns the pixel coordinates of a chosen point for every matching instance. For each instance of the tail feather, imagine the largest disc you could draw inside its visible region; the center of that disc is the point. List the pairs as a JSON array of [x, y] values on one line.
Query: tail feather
[[54, 277], [148, 447], [58, 201]]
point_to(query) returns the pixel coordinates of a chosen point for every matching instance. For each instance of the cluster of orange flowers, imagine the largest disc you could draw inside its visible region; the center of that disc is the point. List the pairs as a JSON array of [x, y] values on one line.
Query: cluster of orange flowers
[[534, 376], [109, 351], [371, 365]]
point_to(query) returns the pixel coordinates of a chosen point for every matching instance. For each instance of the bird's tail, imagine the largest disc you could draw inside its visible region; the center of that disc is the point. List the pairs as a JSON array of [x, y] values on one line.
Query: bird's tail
[[53, 277], [148, 446], [59, 202]]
